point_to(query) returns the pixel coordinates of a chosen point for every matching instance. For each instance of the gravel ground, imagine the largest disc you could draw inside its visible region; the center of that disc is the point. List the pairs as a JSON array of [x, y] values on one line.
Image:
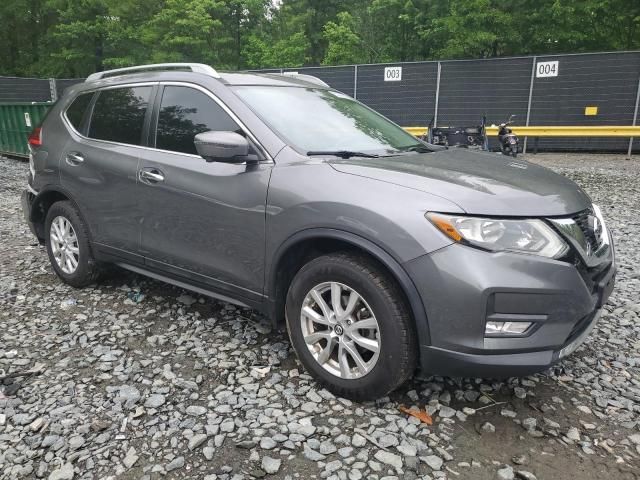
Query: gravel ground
[[136, 379]]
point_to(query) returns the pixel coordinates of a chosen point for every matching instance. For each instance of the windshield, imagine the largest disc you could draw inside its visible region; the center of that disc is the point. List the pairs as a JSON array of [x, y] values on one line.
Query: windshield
[[316, 120]]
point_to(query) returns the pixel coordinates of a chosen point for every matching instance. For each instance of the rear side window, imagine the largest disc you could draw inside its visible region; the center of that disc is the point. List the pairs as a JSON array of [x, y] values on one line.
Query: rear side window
[[118, 114], [185, 112], [77, 109]]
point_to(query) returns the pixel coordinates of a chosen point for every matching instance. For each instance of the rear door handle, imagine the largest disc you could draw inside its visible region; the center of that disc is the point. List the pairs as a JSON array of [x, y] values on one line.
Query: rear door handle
[[152, 175], [74, 158]]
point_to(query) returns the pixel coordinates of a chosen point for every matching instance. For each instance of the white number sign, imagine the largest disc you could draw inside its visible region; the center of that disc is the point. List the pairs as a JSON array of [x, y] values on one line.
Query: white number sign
[[392, 74], [547, 69], [27, 119]]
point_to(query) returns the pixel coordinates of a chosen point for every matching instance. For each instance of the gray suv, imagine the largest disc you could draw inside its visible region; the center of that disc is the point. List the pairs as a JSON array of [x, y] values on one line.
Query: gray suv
[[384, 255]]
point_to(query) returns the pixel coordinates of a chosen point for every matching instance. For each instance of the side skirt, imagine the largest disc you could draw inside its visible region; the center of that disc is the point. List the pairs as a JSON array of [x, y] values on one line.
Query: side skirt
[[189, 286]]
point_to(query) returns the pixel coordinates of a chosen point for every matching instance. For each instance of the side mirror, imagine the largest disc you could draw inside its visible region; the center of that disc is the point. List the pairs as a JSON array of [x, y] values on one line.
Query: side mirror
[[228, 147]]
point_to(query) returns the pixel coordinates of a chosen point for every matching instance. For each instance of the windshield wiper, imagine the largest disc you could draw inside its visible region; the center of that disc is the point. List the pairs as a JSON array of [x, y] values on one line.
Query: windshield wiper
[[418, 148], [342, 153]]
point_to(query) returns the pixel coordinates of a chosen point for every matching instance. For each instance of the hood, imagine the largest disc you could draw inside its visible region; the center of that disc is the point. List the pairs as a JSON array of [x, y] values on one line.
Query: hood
[[481, 183]]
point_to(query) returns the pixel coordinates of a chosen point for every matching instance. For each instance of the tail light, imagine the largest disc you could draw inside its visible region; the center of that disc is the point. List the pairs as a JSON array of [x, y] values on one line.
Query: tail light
[[35, 138]]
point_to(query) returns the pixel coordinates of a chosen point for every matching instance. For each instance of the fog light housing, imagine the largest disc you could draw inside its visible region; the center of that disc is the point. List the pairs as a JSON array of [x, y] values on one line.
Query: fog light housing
[[506, 328]]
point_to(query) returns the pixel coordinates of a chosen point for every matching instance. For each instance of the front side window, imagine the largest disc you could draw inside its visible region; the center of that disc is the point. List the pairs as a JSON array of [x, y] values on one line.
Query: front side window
[[313, 119], [118, 115], [185, 112], [77, 109]]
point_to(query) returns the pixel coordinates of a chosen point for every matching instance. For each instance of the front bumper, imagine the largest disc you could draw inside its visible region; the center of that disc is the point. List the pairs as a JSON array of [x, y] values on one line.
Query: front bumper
[[461, 287]]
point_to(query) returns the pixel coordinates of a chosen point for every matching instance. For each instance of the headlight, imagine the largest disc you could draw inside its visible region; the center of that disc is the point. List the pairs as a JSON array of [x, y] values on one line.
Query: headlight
[[523, 236]]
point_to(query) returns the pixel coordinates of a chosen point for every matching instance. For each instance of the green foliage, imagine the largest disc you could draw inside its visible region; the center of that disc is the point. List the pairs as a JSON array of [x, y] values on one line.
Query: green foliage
[[344, 45], [285, 52], [184, 30], [70, 38], [78, 36], [478, 28]]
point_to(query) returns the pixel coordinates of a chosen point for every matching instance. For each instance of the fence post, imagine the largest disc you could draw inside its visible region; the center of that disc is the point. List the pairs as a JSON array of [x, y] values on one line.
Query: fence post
[[635, 119], [435, 113], [53, 90], [533, 71], [355, 81]]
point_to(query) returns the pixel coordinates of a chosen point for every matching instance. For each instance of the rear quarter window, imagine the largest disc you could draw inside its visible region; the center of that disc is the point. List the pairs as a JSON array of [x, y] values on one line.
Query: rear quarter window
[[76, 111], [118, 115]]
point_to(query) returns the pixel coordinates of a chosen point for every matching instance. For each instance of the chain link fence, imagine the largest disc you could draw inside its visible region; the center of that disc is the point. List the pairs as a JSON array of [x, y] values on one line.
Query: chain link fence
[[558, 90]]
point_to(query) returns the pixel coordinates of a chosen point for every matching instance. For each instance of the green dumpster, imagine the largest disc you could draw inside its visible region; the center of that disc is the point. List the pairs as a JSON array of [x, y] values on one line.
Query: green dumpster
[[17, 120]]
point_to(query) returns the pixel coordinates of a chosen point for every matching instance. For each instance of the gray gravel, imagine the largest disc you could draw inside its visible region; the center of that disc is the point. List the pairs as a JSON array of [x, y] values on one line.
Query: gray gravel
[[136, 379]]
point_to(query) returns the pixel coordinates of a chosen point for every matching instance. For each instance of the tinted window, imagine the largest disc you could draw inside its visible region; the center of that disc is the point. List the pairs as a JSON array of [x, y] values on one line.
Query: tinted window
[[75, 112], [118, 114], [185, 112]]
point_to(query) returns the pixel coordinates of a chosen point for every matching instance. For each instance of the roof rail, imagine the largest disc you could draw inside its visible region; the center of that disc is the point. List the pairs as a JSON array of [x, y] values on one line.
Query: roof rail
[[194, 67], [306, 78]]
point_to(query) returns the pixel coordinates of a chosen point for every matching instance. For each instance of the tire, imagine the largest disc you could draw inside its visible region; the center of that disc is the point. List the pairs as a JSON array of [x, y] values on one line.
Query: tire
[[379, 298], [86, 269]]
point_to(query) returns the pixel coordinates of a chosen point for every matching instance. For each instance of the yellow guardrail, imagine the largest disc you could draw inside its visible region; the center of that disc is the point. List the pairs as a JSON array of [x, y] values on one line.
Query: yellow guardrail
[[556, 131], [417, 131]]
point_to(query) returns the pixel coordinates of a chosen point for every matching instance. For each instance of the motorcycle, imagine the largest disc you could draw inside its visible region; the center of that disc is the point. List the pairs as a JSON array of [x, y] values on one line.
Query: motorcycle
[[508, 140]]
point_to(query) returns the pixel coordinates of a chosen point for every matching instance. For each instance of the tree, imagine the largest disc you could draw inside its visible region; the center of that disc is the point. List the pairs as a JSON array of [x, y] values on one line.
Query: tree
[[69, 38], [286, 52], [310, 17], [126, 42], [242, 18], [395, 22], [185, 31], [78, 37], [476, 29], [553, 26], [343, 43]]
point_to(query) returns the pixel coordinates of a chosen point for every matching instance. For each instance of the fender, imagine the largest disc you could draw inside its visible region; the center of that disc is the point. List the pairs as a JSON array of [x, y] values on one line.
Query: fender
[[381, 255], [38, 200]]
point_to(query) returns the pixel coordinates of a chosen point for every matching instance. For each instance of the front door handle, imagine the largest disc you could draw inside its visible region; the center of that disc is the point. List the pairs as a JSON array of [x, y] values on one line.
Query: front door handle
[[152, 175], [74, 158]]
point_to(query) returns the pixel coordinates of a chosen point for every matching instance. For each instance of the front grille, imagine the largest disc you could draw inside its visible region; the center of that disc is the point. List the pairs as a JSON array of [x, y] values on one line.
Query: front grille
[[590, 235], [586, 220]]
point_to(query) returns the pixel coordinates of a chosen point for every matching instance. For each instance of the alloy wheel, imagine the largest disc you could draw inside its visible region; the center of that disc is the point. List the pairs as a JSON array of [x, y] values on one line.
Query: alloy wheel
[[64, 244], [340, 330]]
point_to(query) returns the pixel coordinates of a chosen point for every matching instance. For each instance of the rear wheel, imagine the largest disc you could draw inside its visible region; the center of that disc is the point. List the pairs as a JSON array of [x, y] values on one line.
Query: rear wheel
[[67, 243], [350, 326]]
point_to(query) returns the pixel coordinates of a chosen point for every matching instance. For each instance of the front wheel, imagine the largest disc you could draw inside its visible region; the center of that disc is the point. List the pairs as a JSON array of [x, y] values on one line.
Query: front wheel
[[350, 326]]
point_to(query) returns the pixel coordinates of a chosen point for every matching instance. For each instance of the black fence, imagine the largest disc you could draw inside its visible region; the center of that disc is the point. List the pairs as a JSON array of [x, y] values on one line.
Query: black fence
[[19, 89], [540, 90], [561, 90]]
